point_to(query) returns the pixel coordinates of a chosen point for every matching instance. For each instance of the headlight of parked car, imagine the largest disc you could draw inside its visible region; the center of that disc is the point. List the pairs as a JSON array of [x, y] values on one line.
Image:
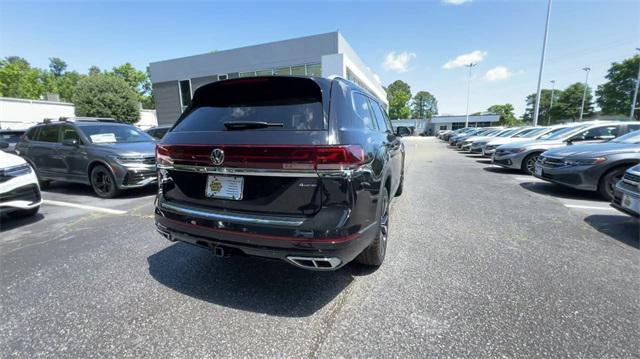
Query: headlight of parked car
[[128, 160], [584, 161]]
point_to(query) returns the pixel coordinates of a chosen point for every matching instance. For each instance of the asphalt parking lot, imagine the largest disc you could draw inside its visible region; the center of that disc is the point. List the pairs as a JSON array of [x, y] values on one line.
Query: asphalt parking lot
[[482, 262]]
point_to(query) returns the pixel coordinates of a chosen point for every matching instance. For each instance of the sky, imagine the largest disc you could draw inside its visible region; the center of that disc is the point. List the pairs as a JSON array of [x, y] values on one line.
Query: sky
[[424, 43]]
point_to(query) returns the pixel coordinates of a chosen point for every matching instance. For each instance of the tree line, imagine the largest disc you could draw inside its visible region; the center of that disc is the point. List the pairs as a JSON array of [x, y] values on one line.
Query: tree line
[[612, 97], [116, 93]]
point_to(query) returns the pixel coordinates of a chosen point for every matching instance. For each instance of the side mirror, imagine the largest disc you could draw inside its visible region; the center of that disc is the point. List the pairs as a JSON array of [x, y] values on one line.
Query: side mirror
[[70, 142], [4, 145]]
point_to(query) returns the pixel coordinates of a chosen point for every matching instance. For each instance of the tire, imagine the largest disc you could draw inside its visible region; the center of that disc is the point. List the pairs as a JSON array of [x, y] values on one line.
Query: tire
[[375, 253], [607, 183], [26, 212], [103, 182], [529, 162]]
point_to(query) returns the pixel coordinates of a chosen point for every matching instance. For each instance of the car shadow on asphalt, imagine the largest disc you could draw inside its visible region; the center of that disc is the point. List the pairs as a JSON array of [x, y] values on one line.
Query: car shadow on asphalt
[[78, 189], [623, 228], [555, 190], [258, 285], [484, 162], [502, 170], [11, 221]]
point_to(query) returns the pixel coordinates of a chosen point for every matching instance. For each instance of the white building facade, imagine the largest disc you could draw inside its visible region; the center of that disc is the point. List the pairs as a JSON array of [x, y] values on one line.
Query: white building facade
[[174, 81]]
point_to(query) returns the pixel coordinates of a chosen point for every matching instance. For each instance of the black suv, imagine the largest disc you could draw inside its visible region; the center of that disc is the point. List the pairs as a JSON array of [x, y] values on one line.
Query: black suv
[[108, 155], [294, 168]]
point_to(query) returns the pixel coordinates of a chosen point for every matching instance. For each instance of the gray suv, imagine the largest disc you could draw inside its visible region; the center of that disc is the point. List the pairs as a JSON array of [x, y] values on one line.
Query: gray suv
[[107, 155]]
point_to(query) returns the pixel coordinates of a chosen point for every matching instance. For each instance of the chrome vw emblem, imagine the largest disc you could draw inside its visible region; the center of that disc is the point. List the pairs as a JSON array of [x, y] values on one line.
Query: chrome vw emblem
[[217, 156]]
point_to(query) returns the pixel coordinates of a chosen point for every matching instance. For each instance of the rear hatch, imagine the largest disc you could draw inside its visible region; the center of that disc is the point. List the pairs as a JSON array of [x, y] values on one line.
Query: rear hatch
[[260, 137]]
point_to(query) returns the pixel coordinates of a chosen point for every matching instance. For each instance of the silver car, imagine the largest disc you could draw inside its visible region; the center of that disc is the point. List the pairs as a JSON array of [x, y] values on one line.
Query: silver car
[[523, 155], [476, 145]]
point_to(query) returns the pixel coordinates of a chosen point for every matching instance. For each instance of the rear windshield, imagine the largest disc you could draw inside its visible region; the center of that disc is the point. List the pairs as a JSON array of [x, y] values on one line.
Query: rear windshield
[[280, 103]]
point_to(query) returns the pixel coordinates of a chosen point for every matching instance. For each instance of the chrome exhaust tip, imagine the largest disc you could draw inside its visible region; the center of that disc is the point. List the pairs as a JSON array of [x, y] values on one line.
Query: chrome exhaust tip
[[315, 263]]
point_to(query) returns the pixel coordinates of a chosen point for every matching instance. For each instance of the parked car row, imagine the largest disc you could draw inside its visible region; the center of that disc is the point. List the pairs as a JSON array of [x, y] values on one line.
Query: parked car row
[[596, 156]]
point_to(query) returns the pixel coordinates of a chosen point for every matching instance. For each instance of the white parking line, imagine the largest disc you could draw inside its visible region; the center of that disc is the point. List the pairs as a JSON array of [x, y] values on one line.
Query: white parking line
[[589, 207], [81, 206]]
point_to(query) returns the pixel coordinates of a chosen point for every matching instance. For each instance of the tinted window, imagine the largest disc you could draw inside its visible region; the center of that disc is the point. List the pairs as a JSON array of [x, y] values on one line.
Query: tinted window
[[69, 133], [362, 109], [185, 93], [31, 133], [377, 111], [631, 137], [284, 103], [48, 134]]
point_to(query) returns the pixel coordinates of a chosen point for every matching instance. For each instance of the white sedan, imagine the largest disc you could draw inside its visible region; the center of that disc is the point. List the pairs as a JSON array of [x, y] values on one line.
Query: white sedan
[[19, 189]]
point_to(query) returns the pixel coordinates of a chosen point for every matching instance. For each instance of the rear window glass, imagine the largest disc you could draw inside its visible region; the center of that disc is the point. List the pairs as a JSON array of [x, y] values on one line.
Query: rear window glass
[[282, 103], [10, 137], [362, 108]]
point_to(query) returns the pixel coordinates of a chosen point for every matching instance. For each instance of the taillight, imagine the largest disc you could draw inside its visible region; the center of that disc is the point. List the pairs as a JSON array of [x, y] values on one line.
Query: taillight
[[163, 156], [339, 157], [280, 157]]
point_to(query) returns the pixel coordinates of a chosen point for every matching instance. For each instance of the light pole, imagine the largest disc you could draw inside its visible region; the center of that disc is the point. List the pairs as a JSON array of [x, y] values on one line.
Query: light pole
[[536, 112], [584, 93], [553, 90], [470, 66], [635, 93]]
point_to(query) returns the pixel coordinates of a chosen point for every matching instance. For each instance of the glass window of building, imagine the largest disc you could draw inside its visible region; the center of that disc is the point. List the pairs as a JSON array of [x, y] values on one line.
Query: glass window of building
[[298, 70], [222, 77], [264, 73], [283, 71], [247, 74], [314, 70], [185, 93], [233, 75]]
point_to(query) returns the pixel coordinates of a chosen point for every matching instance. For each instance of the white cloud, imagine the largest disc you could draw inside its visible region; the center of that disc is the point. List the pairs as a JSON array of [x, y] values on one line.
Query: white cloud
[[375, 76], [498, 73], [398, 62], [465, 59], [455, 2]]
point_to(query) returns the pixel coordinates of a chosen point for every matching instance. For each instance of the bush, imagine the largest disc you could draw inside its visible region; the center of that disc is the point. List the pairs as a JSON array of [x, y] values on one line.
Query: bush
[[106, 96]]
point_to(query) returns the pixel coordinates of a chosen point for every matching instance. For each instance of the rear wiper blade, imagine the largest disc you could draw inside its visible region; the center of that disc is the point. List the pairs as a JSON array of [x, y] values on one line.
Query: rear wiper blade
[[249, 125]]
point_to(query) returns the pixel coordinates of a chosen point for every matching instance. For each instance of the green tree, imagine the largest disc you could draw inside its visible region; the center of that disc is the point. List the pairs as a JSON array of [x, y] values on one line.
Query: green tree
[[506, 112], [137, 80], [57, 66], [18, 79], [105, 95], [94, 70], [424, 105], [547, 114], [398, 95], [569, 101], [614, 96]]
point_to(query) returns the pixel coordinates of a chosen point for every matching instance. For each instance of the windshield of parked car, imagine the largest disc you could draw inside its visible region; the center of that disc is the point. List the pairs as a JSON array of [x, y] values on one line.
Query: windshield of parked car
[[531, 133], [106, 133], [10, 137], [524, 133], [629, 138], [561, 133], [508, 132]]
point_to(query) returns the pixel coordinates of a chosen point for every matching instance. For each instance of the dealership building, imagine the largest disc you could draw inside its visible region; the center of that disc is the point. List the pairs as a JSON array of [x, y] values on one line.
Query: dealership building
[[174, 81]]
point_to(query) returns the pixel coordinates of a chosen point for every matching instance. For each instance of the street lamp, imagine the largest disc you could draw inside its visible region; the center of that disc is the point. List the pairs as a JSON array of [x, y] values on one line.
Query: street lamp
[[635, 93], [536, 112], [553, 89], [584, 94], [470, 66]]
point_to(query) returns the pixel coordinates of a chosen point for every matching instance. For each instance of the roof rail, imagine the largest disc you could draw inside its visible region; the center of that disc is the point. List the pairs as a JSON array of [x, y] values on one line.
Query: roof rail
[[87, 119]]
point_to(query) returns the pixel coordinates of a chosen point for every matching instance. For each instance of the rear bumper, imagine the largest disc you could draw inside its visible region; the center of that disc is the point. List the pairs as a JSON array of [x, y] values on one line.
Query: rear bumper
[[266, 240]]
